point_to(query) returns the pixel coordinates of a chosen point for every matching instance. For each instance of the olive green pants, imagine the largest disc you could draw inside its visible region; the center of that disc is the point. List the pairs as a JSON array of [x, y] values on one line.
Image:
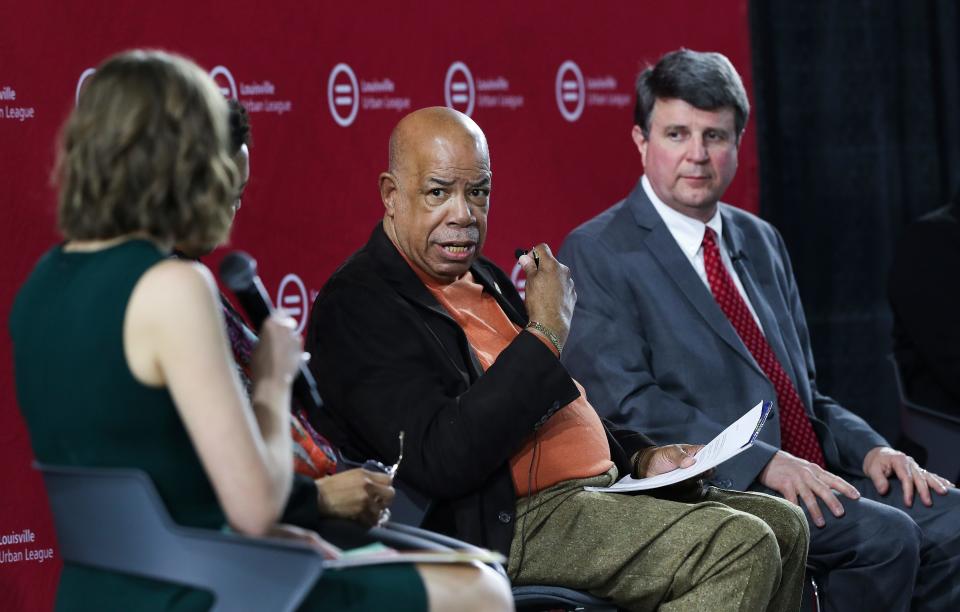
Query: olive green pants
[[733, 551]]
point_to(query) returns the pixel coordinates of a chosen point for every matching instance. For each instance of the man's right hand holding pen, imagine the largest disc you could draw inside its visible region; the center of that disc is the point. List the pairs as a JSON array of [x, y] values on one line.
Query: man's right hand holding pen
[[550, 295]]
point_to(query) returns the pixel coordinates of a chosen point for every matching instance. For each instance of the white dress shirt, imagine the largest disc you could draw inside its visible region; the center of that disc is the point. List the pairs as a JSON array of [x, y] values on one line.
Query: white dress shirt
[[688, 232]]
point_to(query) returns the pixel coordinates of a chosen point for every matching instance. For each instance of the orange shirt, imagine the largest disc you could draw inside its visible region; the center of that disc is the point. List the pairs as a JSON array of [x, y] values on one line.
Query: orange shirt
[[572, 443]]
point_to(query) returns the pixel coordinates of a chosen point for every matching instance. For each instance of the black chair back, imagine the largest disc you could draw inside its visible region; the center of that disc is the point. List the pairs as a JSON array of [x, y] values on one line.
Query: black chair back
[[937, 432]]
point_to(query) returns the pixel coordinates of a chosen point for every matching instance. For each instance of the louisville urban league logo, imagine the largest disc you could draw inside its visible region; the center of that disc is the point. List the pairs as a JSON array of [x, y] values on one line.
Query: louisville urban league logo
[[292, 299], [519, 280], [343, 94], [458, 90], [225, 82], [571, 93]]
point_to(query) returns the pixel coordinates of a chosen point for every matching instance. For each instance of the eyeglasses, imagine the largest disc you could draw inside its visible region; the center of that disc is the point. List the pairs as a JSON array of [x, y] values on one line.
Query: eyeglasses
[[372, 465]]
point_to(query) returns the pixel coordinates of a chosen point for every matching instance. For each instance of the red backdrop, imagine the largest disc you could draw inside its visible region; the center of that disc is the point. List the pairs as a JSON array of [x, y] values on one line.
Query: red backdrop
[[549, 82]]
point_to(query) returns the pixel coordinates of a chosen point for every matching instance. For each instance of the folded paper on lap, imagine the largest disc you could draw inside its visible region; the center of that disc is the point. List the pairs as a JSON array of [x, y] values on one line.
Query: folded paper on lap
[[732, 441]]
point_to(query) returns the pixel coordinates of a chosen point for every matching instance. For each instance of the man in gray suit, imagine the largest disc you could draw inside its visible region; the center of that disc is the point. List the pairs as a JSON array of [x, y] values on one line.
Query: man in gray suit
[[688, 314]]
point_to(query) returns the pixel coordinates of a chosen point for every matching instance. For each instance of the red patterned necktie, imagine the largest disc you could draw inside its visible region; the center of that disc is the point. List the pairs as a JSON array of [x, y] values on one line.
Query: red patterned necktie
[[795, 428]]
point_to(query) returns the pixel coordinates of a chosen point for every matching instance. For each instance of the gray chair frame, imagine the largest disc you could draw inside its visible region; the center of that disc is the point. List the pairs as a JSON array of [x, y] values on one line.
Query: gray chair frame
[[113, 519], [936, 431], [810, 599], [541, 597]]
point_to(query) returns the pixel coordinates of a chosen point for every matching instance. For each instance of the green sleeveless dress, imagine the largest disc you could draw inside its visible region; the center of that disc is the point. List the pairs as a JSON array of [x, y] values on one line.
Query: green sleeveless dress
[[83, 406]]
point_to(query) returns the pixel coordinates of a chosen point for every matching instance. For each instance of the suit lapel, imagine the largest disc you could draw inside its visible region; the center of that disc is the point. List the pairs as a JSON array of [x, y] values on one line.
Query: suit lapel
[[674, 262], [408, 285], [757, 293], [404, 280]]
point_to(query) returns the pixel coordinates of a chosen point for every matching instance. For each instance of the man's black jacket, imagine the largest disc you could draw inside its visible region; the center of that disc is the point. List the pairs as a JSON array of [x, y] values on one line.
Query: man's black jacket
[[389, 358]]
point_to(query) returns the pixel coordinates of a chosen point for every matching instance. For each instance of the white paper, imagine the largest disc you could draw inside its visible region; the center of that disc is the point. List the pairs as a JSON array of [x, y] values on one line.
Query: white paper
[[378, 554], [732, 441]]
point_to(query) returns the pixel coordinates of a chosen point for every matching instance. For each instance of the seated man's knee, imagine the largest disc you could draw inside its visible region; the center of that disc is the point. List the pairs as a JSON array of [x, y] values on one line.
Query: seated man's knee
[[790, 525], [750, 548], [891, 536], [745, 530], [904, 536]]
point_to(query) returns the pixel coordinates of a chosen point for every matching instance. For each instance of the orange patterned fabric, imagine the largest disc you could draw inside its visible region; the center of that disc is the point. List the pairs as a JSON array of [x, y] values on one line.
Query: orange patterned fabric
[[313, 456]]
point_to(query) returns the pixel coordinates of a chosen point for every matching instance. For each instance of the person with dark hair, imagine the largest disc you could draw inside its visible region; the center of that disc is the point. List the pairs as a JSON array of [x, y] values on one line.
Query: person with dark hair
[[318, 491], [239, 126], [703, 80], [925, 299], [121, 355], [418, 333], [689, 311]]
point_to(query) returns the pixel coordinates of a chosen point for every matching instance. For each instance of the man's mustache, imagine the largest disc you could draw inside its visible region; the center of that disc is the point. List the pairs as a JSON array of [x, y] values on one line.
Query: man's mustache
[[470, 234]]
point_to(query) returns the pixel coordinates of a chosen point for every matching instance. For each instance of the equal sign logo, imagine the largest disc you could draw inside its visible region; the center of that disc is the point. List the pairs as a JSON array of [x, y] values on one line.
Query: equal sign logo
[[571, 93], [86, 74], [224, 80], [458, 90], [519, 280], [343, 94], [292, 299]]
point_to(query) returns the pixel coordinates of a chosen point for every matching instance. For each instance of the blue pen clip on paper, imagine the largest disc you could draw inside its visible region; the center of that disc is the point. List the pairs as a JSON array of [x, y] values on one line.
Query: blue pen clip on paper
[[764, 413]]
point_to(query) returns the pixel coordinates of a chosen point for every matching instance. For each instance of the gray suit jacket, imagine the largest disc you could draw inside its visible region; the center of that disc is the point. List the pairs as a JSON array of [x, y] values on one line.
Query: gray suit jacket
[[656, 353]]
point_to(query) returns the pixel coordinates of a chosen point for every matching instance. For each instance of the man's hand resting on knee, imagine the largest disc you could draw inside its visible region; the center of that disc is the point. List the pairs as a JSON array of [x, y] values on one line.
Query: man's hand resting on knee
[[796, 479], [882, 462]]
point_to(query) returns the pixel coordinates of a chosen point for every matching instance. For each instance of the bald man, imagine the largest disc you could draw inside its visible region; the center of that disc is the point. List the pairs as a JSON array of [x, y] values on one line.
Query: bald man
[[418, 333]]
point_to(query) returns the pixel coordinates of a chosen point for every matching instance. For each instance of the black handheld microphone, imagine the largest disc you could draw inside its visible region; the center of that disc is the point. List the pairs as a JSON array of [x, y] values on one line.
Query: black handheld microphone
[[238, 271]]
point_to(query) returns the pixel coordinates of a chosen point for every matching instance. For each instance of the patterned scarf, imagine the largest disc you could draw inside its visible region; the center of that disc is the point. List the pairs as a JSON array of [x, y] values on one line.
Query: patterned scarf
[[313, 455]]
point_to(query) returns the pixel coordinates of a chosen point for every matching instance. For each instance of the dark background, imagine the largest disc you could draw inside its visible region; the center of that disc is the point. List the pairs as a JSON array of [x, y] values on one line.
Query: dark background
[[857, 117]]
